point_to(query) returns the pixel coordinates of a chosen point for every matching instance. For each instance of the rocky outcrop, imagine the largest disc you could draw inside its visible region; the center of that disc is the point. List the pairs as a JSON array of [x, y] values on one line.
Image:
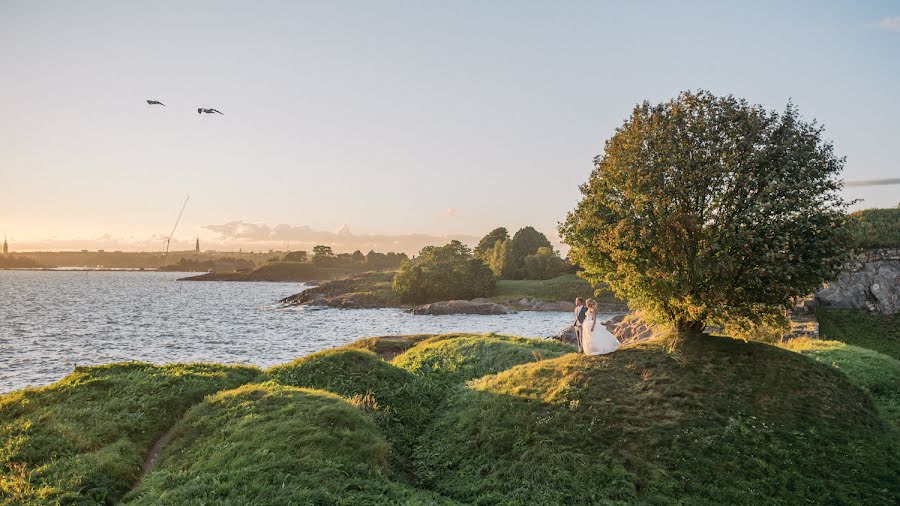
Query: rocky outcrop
[[352, 292], [870, 281], [567, 335], [461, 307], [630, 328]]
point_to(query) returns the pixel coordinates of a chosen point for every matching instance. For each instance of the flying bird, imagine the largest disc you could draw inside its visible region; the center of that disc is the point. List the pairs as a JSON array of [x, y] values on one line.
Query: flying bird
[[156, 102], [209, 111]]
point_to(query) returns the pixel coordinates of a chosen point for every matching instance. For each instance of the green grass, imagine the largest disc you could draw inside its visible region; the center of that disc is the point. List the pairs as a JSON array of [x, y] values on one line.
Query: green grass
[[454, 359], [400, 402], [720, 421], [874, 372], [877, 332], [479, 419], [875, 228], [271, 445], [82, 440], [565, 287]]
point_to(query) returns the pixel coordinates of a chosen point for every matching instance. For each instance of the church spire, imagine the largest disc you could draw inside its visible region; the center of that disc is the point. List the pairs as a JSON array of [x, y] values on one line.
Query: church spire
[[197, 246], [5, 246]]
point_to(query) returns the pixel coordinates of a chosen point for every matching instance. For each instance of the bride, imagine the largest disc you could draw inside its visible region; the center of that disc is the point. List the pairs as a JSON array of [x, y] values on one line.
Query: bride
[[595, 339]]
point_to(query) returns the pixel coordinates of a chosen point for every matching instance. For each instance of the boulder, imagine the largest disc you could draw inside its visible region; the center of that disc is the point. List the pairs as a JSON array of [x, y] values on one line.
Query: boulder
[[868, 282], [531, 304], [461, 307], [567, 335], [629, 328]]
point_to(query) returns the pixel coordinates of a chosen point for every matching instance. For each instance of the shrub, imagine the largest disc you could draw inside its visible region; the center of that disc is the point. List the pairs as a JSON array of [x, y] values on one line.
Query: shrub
[[544, 264], [443, 273], [875, 228]]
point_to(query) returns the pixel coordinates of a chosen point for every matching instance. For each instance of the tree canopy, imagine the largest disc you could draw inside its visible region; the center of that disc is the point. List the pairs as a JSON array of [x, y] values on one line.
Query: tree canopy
[[705, 208], [486, 245], [443, 273]]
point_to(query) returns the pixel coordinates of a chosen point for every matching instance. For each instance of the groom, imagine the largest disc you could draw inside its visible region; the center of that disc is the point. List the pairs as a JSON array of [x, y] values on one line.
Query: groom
[[580, 315]]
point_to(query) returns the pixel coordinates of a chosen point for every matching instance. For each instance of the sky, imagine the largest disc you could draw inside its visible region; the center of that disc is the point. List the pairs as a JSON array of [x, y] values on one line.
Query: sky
[[378, 122]]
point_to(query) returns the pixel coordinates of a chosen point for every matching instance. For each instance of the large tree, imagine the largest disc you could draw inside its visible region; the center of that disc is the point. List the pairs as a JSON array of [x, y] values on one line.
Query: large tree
[[707, 208], [527, 241], [485, 247]]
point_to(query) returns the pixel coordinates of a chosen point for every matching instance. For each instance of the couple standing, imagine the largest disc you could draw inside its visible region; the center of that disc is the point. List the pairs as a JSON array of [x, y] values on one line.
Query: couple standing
[[593, 339]]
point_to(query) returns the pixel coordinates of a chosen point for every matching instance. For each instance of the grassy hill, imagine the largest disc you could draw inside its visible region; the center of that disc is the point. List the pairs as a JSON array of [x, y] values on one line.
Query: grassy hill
[[875, 228], [467, 419]]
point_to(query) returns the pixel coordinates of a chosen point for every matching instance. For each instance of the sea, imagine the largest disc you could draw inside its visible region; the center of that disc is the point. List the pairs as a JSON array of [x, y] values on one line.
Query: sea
[[52, 321]]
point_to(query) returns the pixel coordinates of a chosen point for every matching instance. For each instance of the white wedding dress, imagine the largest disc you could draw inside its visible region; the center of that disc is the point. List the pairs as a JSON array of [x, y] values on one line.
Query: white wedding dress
[[598, 341]]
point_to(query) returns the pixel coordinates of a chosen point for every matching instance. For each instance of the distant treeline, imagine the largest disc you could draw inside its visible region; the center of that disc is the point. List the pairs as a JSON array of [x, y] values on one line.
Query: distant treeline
[[324, 256], [18, 262]]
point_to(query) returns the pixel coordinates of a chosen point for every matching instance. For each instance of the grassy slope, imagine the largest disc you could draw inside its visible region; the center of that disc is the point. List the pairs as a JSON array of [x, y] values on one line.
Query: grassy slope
[[874, 331], [399, 401], [271, 445], [83, 438], [875, 228], [874, 372], [565, 287], [454, 359], [721, 421]]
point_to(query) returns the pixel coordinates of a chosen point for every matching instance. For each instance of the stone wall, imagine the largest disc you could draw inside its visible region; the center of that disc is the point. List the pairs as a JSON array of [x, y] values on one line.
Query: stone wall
[[870, 281]]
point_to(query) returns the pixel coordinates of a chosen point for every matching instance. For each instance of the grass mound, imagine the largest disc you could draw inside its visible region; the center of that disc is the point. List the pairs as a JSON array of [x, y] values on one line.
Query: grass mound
[[455, 359], [399, 401], [874, 372], [879, 332], [272, 444], [83, 438], [719, 421]]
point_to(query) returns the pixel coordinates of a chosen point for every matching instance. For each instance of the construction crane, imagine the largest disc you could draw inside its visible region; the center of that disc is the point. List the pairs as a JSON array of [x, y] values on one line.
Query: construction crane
[[177, 220]]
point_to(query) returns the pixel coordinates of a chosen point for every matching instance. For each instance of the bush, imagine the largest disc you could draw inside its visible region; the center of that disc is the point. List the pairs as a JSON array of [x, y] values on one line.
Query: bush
[[443, 273]]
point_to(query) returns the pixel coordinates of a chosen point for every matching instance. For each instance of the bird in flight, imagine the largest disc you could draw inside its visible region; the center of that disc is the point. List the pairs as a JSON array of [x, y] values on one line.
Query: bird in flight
[[156, 102], [209, 111]]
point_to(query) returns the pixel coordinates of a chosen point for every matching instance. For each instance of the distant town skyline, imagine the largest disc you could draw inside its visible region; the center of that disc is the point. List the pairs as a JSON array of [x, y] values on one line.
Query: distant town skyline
[[407, 123]]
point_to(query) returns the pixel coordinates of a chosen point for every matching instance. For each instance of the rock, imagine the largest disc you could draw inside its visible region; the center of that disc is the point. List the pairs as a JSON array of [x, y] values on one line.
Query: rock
[[567, 335], [629, 328], [870, 281], [461, 307]]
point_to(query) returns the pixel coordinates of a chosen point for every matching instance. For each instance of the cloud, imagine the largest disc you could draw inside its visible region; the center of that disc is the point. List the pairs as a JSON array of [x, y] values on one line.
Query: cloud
[[451, 211], [265, 236], [892, 24], [873, 182]]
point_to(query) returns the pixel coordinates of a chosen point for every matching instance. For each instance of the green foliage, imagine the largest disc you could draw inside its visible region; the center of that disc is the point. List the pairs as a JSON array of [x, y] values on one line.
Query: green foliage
[[499, 259], [295, 256], [879, 332], [874, 372], [527, 241], [272, 445], [720, 421], [443, 273], [83, 439], [454, 359], [485, 246], [399, 401], [544, 264], [875, 228], [708, 207]]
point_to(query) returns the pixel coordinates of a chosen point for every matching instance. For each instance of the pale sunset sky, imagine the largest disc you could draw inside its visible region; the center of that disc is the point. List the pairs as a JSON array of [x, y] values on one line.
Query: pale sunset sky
[[390, 118]]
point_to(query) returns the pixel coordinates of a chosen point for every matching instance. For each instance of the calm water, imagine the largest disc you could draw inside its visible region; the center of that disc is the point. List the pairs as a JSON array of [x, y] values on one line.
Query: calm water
[[51, 321]]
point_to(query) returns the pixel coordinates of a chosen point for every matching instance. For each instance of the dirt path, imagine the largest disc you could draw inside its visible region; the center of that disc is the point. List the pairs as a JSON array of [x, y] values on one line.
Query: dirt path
[[153, 455]]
